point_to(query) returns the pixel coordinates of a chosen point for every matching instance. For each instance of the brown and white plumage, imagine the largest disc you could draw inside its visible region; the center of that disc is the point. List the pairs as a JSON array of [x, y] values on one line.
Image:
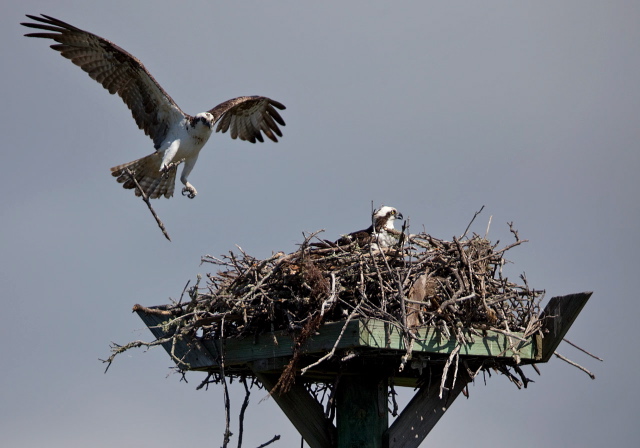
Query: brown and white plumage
[[380, 234], [146, 170], [177, 136]]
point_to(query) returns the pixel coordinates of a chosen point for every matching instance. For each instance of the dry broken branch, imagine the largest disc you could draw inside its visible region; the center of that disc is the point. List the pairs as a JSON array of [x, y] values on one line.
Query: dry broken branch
[[145, 198]]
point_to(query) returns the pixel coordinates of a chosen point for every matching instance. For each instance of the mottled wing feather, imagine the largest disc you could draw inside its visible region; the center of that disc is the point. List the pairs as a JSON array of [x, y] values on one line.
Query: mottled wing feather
[[247, 117], [154, 183], [362, 237], [117, 71]]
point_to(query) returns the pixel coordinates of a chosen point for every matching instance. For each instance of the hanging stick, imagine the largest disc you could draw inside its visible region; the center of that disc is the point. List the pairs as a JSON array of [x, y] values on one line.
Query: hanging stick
[[146, 199]]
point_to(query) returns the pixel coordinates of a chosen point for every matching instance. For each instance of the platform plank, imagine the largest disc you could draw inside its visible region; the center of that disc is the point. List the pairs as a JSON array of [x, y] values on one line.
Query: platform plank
[[372, 336]]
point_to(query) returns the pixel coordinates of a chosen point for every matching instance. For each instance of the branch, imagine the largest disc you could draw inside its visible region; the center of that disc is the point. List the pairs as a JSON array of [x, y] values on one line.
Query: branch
[[245, 403], [582, 350], [471, 222], [276, 437], [591, 375], [116, 349], [145, 198], [339, 338], [445, 370]]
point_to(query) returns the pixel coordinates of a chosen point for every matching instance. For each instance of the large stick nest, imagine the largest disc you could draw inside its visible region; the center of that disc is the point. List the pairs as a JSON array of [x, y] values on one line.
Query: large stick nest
[[458, 287], [423, 281], [454, 286]]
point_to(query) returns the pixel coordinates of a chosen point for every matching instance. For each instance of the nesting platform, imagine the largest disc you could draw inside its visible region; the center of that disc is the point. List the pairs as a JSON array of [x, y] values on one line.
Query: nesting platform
[[367, 354]]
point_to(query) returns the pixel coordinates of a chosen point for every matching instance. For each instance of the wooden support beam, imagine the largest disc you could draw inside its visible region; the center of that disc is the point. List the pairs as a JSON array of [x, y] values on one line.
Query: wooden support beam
[[362, 413], [558, 316], [422, 413], [303, 411]]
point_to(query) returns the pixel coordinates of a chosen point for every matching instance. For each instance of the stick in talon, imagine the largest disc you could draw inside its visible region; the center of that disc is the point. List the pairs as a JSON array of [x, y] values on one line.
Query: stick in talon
[[145, 198]]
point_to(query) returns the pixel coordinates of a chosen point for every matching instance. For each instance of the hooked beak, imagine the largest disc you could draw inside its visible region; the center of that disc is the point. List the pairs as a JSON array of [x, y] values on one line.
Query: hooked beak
[[206, 122]]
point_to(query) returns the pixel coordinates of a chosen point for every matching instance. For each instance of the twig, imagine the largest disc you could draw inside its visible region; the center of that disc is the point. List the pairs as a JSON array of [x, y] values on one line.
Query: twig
[[327, 304], [245, 403], [392, 392], [471, 222], [155, 311], [145, 198], [504, 249], [445, 370], [523, 377], [183, 291], [582, 350], [591, 375], [116, 349], [486, 233], [333, 349], [330, 408], [276, 437], [453, 300]]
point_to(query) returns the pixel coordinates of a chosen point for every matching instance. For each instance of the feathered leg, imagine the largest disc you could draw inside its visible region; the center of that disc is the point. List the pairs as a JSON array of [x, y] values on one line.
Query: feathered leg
[[188, 190]]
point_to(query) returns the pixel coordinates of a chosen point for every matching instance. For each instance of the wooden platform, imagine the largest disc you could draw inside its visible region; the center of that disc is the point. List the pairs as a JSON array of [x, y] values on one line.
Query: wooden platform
[[370, 340], [374, 349]]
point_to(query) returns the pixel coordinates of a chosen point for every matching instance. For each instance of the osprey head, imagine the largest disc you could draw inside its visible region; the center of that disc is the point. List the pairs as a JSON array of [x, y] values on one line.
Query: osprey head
[[204, 118], [385, 216]]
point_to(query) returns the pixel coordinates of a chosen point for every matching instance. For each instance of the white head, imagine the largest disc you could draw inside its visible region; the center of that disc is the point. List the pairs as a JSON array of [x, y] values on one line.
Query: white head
[[385, 216], [202, 119]]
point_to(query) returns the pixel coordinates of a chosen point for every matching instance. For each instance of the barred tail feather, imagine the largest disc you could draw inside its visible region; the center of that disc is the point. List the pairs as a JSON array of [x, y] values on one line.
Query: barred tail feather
[[154, 183]]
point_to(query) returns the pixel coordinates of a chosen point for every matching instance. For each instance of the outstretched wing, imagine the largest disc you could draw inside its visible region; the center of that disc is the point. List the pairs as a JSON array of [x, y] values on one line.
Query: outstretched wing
[[246, 116], [118, 72]]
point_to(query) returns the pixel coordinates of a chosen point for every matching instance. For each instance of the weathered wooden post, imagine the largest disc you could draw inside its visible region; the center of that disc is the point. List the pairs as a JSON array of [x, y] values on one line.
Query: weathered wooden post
[[362, 414]]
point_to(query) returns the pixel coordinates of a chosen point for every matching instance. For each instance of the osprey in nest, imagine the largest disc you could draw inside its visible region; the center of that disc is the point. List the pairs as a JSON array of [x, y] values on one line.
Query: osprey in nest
[[380, 234], [178, 137]]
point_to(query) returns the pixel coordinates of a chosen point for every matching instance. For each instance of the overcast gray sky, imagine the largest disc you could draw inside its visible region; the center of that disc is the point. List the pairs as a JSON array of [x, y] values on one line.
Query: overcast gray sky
[[529, 108]]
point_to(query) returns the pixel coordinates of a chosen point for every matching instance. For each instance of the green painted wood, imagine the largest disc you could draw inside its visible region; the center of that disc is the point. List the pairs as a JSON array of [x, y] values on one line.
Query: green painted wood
[[304, 412], [272, 345], [360, 334], [559, 315], [377, 334], [368, 334], [422, 413], [361, 411]]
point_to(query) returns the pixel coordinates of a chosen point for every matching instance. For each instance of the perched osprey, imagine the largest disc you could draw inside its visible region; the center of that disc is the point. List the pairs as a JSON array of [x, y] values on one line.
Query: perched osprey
[[380, 234], [178, 137]]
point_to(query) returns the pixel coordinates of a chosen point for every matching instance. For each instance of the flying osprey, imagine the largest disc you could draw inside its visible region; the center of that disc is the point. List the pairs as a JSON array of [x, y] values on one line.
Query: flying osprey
[[380, 234], [178, 137]]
